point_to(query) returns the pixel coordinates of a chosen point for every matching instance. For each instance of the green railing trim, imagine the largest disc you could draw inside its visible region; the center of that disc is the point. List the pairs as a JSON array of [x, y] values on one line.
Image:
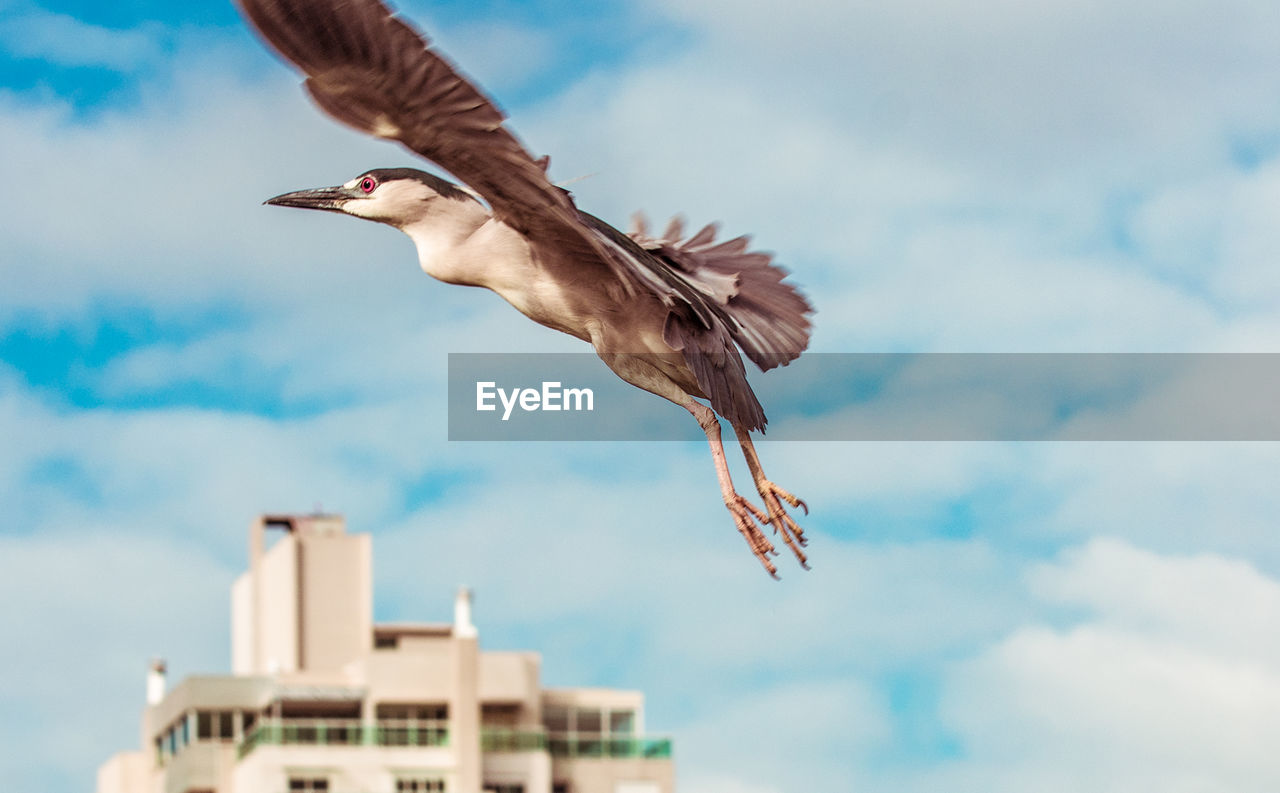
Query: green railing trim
[[499, 740], [353, 734], [570, 745], [574, 745]]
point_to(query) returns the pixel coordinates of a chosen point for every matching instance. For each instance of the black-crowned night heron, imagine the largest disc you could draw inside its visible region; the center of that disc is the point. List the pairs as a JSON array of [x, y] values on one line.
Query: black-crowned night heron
[[667, 314]]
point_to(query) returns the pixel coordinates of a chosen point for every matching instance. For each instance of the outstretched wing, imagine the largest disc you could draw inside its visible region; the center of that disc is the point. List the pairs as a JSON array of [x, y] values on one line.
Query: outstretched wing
[[370, 70]]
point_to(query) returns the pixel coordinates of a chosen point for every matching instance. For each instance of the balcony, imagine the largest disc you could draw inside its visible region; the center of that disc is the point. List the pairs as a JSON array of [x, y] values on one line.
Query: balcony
[[343, 732], [575, 745]]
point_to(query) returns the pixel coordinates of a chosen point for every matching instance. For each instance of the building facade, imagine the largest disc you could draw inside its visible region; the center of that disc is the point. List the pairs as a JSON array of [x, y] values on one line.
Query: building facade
[[322, 700]]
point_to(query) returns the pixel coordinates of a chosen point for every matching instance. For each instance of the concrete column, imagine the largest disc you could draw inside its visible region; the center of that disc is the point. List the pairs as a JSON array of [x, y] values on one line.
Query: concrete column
[[464, 706], [257, 546]]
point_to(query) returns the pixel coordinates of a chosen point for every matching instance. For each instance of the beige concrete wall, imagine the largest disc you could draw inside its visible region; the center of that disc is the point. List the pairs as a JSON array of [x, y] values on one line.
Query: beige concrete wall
[[464, 713], [594, 698], [336, 593], [406, 677], [127, 772], [196, 767], [531, 769], [512, 677], [366, 769], [607, 775], [276, 609]]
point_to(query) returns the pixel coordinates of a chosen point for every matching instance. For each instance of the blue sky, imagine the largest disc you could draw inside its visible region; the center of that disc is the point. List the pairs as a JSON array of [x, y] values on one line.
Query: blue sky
[[176, 358]]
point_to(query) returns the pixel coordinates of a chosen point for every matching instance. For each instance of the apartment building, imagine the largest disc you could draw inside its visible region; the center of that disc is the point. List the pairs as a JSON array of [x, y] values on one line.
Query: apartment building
[[323, 700]]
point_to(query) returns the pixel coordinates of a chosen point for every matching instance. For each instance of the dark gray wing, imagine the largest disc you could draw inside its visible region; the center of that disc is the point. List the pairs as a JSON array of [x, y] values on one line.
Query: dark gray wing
[[370, 70]]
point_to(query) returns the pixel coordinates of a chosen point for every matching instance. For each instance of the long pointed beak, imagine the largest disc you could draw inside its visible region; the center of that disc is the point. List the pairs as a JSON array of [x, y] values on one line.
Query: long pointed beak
[[330, 198]]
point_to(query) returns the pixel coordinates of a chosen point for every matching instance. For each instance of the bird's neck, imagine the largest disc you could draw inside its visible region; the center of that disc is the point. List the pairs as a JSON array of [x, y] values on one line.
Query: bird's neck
[[466, 246]]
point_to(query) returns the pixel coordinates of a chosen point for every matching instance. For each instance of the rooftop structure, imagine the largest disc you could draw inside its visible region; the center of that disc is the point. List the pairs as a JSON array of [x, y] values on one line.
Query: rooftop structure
[[322, 700]]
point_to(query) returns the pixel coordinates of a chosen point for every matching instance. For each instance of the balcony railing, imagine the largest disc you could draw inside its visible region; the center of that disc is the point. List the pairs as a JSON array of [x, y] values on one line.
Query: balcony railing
[[344, 732], [351, 732], [504, 740], [571, 745]]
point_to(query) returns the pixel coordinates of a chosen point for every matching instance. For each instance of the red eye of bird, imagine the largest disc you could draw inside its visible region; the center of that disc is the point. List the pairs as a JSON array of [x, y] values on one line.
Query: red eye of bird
[[367, 184]]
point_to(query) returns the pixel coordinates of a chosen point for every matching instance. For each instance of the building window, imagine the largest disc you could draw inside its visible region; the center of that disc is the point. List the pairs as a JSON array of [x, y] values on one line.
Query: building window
[[622, 722], [419, 785], [556, 718], [215, 725], [412, 724], [559, 787], [412, 712], [308, 784], [505, 788], [500, 715], [560, 719]]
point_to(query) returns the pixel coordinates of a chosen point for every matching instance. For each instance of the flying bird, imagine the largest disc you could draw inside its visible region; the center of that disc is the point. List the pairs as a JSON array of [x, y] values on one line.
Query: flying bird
[[667, 313]]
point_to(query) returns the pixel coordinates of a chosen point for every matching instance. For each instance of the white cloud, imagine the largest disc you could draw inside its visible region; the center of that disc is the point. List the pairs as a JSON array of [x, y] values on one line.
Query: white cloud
[[1059, 86], [1146, 693], [1192, 601], [67, 41], [1174, 497], [787, 737]]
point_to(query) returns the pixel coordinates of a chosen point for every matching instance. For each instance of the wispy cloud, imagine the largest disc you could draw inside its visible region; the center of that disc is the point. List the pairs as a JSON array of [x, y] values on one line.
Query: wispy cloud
[[64, 40], [1144, 693]]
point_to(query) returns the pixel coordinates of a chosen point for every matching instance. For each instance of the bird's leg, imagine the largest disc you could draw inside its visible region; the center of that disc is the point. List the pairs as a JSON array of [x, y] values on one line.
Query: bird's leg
[[783, 524], [744, 512]]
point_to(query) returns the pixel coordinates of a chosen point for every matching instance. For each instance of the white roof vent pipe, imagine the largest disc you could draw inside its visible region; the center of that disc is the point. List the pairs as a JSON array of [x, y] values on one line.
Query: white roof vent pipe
[[463, 627], [156, 681]]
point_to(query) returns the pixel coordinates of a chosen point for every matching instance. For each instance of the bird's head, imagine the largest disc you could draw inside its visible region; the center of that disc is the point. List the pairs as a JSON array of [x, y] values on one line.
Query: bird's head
[[396, 196]]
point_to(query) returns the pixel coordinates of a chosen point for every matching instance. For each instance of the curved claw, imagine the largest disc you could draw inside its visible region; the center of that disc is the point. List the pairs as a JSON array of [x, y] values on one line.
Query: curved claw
[[782, 523], [750, 520], [794, 501], [748, 517]]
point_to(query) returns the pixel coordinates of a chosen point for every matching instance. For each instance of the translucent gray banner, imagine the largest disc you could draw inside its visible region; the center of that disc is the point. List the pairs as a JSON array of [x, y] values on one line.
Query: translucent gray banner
[[890, 397]]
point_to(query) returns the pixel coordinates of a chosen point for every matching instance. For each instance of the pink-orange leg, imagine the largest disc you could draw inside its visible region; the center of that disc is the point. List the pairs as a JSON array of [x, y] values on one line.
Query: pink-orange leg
[[773, 497], [745, 514]]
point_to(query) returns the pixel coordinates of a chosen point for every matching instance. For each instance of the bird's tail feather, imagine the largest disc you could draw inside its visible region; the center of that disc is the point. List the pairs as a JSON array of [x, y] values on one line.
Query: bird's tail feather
[[771, 316]]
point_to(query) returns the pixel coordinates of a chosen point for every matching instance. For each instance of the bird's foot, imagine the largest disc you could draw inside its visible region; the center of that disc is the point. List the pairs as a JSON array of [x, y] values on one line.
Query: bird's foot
[[782, 523], [749, 519]]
